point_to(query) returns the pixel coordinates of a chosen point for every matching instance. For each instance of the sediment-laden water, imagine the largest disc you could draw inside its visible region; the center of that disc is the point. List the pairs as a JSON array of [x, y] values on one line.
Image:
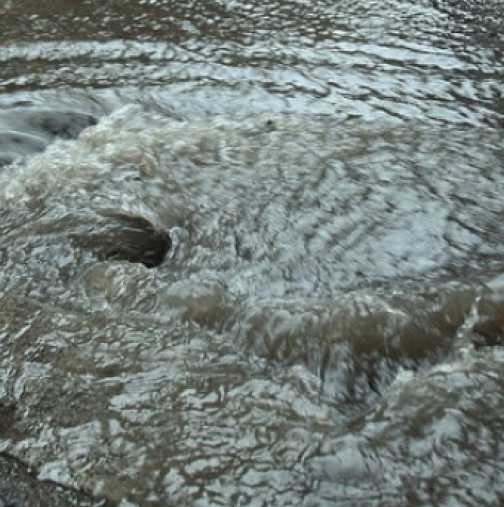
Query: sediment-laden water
[[251, 253]]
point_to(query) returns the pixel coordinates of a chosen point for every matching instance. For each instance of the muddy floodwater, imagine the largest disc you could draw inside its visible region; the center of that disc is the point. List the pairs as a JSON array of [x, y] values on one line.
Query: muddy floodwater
[[251, 253]]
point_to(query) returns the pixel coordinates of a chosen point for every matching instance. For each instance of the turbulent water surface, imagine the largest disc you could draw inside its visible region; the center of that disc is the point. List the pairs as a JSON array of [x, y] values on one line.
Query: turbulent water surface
[[252, 253]]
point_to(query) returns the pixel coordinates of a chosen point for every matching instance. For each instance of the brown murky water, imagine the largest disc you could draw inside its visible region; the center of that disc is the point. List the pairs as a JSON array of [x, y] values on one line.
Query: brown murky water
[[271, 274]]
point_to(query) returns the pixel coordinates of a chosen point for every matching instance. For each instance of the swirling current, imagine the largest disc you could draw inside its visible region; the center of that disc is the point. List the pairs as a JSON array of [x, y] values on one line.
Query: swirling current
[[251, 253]]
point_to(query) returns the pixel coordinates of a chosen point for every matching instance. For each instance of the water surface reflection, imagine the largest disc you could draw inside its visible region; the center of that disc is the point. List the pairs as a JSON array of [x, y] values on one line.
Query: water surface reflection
[[319, 185]]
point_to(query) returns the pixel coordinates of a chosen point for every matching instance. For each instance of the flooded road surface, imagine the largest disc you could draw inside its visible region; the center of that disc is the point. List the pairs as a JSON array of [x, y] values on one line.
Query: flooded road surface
[[252, 253]]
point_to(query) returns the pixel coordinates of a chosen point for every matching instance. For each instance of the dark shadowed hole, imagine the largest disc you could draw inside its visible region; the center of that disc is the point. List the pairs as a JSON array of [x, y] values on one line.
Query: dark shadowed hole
[[129, 238], [270, 125]]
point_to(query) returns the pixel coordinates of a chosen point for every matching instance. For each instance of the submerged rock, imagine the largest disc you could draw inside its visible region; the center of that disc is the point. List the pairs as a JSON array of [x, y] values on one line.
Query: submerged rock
[[63, 124], [15, 144], [28, 130]]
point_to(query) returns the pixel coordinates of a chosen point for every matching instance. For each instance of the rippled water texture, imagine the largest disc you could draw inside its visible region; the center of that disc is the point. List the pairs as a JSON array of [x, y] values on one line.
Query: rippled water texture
[[251, 253]]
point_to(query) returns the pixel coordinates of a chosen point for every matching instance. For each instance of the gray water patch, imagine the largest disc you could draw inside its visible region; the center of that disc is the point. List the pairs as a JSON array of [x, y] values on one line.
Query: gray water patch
[[358, 342], [20, 488], [173, 400], [444, 416], [437, 60]]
